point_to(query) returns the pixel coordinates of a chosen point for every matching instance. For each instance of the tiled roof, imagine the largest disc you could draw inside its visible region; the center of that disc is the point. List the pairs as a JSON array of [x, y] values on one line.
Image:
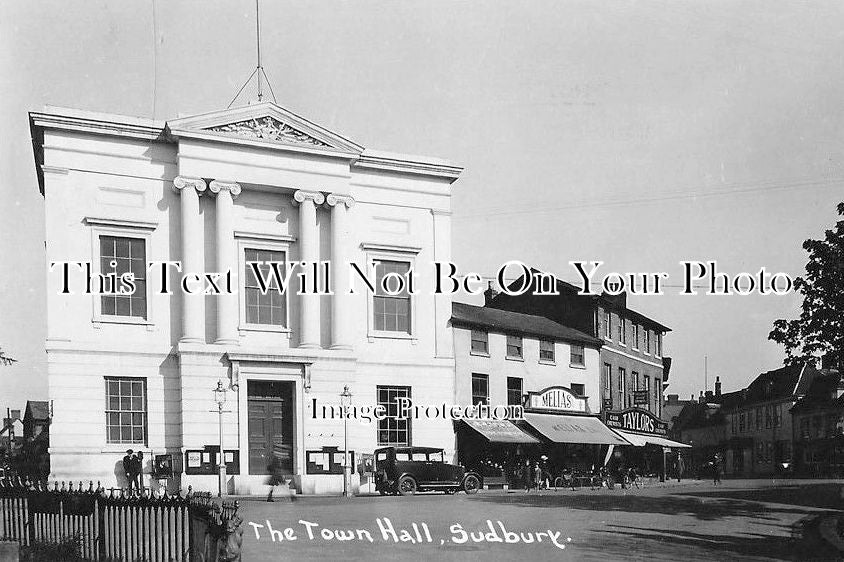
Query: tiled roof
[[38, 409], [517, 323]]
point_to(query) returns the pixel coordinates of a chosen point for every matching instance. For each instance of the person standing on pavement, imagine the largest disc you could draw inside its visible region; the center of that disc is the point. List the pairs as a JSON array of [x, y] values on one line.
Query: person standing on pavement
[[716, 469], [138, 471], [680, 466], [127, 467]]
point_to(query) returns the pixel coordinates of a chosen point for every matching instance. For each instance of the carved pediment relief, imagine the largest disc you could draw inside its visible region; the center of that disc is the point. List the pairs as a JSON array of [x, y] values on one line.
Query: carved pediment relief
[[267, 128]]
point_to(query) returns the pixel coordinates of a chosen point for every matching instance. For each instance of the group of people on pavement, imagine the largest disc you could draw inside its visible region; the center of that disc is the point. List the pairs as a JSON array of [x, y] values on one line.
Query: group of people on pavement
[[133, 467], [713, 467]]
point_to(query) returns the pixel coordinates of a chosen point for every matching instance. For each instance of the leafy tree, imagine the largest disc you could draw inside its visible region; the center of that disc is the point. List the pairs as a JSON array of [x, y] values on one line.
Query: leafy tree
[[820, 328]]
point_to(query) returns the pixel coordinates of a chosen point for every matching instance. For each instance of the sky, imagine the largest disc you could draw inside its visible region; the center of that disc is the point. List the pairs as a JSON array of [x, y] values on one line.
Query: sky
[[637, 133]]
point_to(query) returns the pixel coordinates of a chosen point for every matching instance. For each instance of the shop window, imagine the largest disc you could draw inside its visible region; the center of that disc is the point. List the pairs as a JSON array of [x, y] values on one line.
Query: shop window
[[480, 342], [126, 410], [577, 355], [391, 429], [546, 351], [120, 255], [514, 391], [514, 347], [480, 389]]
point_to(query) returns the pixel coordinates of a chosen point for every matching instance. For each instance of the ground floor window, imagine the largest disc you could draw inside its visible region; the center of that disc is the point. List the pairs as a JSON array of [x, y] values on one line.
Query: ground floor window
[[126, 410], [391, 430]]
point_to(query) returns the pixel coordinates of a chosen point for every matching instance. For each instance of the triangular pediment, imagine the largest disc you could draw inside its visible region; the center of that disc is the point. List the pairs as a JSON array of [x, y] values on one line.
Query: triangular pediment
[[263, 123]]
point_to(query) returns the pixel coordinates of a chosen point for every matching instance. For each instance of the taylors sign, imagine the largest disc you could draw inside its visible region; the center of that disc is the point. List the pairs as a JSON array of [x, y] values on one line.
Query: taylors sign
[[640, 421], [557, 398]]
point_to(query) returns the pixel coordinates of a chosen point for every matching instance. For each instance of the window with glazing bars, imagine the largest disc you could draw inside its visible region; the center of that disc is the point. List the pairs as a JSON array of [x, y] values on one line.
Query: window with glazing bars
[[126, 410], [119, 255]]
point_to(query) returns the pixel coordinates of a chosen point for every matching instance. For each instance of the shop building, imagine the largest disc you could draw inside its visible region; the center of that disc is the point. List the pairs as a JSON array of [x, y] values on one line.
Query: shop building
[[634, 370], [818, 426], [759, 425], [217, 192], [650, 452], [550, 370]]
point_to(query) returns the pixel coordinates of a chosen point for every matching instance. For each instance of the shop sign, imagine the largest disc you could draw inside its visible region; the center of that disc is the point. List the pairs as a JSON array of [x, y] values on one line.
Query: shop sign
[[556, 399], [640, 398], [637, 421]]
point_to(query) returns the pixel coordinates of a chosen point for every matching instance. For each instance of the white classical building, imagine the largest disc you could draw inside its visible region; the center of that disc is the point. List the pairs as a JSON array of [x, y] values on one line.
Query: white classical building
[[215, 191]]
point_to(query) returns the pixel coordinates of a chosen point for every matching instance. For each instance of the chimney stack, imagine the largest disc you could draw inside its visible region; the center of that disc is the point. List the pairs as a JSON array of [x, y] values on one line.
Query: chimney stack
[[489, 294], [717, 387], [700, 398]]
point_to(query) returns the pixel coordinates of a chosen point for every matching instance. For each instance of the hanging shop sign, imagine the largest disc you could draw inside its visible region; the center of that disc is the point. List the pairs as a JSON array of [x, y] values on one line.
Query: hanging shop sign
[[636, 420], [556, 399]]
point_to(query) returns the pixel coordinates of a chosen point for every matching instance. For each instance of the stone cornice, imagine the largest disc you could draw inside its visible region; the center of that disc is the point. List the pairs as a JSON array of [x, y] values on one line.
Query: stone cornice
[[181, 182], [335, 199], [89, 122], [301, 196], [233, 187], [401, 164]]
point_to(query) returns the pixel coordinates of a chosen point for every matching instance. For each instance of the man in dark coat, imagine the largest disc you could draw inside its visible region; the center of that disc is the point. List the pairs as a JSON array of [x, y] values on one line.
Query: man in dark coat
[[127, 467], [138, 471]]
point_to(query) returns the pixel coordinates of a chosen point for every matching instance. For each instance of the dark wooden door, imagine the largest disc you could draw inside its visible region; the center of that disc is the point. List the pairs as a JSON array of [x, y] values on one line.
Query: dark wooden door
[[271, 427]]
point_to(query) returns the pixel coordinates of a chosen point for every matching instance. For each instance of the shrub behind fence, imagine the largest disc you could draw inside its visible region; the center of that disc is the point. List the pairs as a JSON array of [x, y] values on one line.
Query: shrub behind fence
[[115, 525]]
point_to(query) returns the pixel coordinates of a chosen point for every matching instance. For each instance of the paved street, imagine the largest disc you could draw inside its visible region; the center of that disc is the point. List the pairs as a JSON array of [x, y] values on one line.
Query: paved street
[[741, 520]]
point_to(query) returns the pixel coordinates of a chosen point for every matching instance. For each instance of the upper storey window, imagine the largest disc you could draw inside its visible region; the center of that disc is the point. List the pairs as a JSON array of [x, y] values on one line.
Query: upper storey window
[[120, 255], [270, 307], [392, 311]]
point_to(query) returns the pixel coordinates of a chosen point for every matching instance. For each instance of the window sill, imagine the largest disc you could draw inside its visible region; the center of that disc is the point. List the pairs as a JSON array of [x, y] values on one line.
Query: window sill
[[479, 354], [510, 358], [547, 362], [122, 447], [98, 321], [622, 344], [391, 336], [609, 339], [263, 328], [577, 366]]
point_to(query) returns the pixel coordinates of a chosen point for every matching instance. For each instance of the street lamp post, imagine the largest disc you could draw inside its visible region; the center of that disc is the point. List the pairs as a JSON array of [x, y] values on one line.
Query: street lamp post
[[347, 469], [220, 399]]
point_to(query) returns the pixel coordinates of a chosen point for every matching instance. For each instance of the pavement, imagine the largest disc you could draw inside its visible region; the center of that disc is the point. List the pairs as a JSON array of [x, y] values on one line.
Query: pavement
[[691, 520]]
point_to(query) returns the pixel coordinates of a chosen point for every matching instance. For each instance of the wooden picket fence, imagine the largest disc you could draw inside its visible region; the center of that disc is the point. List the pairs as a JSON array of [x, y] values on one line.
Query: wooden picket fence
[[115, 525]]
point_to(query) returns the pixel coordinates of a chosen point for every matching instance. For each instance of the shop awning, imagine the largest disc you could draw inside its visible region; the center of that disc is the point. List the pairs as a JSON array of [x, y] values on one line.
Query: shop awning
[[500, 431], [639, 440], [574, 429]]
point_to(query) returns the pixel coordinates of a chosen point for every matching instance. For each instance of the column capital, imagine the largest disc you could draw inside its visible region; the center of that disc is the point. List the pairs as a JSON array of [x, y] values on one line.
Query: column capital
[[232, 187], [301, 196], [335, 199], [181, 182]]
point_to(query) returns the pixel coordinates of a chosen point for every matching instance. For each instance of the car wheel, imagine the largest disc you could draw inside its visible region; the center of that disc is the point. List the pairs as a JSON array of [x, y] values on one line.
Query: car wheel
[[471, 484], [407, 486]]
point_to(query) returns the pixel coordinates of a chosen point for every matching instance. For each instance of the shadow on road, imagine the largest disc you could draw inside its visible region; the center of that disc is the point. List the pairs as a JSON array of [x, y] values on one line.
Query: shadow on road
[[720, 547], [706, 509], [822, 496]]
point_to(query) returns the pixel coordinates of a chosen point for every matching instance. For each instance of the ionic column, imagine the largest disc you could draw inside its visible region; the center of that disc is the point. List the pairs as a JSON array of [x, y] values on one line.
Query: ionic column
[[193, 321], [308, 253], [226, 260], [340, 301]]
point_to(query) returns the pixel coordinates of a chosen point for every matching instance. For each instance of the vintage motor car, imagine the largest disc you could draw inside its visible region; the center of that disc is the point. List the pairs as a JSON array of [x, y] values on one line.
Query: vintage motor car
[[407, 470]]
